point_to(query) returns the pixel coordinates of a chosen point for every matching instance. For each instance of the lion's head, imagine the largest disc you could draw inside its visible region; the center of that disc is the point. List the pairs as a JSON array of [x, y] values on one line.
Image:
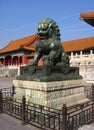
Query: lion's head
[[47, 28]]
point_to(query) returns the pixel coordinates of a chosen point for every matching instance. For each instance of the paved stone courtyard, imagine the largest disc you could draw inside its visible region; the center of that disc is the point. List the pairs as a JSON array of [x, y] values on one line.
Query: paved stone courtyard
[[10, 123], [87, 127], [6, 82]]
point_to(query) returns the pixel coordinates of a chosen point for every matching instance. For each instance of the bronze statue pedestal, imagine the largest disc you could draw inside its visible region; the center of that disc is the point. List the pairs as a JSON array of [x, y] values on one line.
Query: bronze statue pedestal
[[48, 73]]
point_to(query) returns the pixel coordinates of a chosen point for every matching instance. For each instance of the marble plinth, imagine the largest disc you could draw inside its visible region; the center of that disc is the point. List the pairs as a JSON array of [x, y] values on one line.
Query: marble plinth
[[52, 94]]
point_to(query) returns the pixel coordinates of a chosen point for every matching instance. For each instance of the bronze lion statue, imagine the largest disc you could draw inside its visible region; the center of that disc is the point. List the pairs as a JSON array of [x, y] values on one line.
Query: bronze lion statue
[[49, 47]]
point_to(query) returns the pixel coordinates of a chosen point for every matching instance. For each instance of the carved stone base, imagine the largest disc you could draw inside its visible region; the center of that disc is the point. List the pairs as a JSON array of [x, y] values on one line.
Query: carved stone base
[[52, 94]]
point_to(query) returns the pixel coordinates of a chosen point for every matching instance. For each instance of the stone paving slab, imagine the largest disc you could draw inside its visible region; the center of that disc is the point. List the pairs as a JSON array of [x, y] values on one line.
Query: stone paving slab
[[87, 127], [6, 82], [10, 123]]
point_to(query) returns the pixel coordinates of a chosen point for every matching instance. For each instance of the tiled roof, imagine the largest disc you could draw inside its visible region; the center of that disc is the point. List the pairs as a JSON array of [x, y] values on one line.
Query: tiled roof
[[30, 55], [29, 48], [26, 43], [78, 45], [88, 17]]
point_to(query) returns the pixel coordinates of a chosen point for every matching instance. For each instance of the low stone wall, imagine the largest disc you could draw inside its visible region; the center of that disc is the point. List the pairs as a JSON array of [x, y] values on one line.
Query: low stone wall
[[6, 72]]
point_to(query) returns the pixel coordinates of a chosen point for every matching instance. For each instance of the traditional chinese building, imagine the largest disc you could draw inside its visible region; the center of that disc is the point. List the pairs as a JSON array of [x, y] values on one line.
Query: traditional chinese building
[[17, 53], [88, 17], [81, 51]]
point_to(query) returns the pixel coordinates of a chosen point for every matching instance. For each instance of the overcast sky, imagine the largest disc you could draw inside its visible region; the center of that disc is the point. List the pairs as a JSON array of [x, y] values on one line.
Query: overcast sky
[[19, 18]]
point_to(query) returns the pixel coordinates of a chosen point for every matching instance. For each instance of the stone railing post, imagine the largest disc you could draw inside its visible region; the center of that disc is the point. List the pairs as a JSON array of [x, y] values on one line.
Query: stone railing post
[[13, 90], [23, 110], [1, 101], [64, 117], [93, 92]]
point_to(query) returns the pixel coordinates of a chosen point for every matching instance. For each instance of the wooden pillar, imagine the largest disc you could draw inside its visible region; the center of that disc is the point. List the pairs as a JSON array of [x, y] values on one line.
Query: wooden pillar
[[4, 61], [11, 60], [24, 60], [18, 60]]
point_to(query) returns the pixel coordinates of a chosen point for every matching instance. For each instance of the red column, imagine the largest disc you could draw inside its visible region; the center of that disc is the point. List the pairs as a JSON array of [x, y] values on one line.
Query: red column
[[18, 60], [23, 60], [4, 61], [11, 60]]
